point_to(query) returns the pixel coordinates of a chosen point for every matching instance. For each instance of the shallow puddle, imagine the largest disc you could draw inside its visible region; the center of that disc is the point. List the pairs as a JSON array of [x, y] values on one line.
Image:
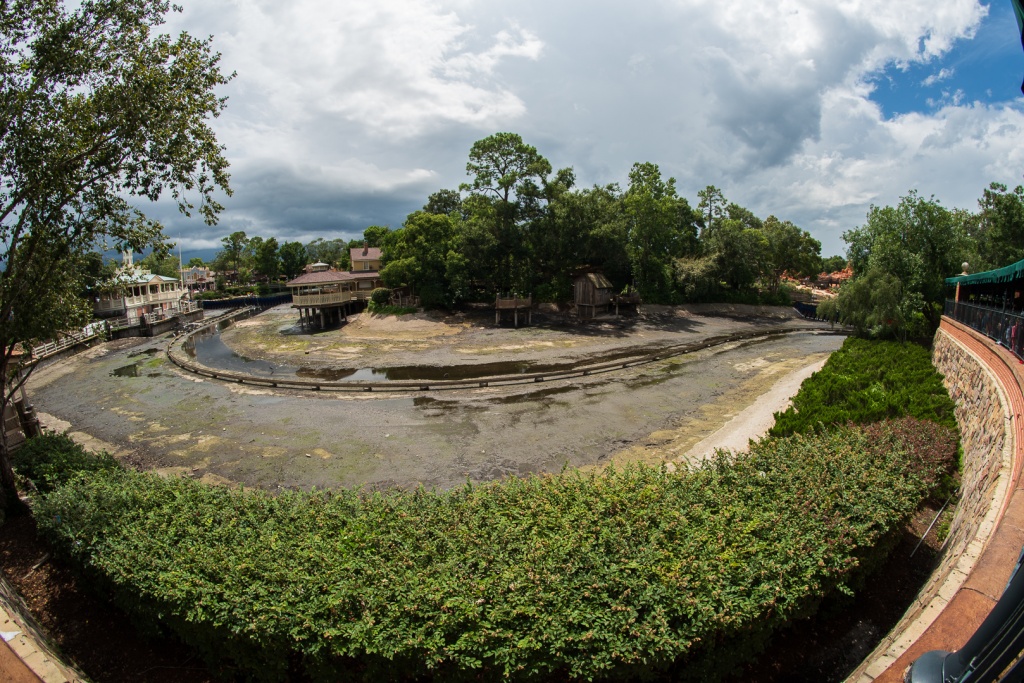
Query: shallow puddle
[[126, 371]]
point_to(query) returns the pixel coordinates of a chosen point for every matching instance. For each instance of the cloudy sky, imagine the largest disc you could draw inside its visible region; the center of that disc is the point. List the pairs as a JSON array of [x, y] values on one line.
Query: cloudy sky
[[349, 113]]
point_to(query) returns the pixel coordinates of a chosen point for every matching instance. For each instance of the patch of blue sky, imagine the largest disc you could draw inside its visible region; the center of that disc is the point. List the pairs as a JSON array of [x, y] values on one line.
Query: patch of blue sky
[[988, 68]]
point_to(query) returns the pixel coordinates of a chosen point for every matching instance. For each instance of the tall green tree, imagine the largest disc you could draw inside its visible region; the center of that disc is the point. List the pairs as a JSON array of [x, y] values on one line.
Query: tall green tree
[[510, 174], [423, 255], [375, 235], [833, 264], [554, 245], [662, 227], [446, 202], [787, 249], [999, 229], [293, 259], [333, 252], [744, 215], [161, 262], [266, 260], [739, 253], [582, 228], [919, 242], [876, 304], [711, 207], [234, 251], [96, 108]]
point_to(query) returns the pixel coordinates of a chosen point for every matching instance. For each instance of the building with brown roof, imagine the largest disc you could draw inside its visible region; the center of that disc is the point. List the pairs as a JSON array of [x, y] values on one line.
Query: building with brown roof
[[325, 295]]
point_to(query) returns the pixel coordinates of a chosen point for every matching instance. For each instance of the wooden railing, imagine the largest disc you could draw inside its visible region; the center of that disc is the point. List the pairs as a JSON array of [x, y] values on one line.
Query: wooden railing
[[512, 302], [299, 300], [99, 329]]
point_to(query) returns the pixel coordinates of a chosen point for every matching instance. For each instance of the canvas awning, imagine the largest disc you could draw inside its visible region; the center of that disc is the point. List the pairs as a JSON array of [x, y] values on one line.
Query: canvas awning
[[990, 277]]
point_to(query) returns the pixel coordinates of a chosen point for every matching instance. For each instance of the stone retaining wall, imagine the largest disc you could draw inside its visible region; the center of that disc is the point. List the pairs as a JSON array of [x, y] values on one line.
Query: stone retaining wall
[[987, 395], [982, 411]]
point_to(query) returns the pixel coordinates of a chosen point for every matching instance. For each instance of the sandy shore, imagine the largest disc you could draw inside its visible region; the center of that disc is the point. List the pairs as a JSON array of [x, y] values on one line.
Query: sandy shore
[[755, 420]]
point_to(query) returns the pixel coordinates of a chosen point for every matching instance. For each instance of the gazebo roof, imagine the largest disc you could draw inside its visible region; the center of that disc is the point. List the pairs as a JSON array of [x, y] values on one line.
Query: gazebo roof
[[327, 277]]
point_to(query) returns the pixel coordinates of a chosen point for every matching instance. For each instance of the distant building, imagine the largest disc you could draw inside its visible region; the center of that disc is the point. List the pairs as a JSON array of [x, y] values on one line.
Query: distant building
[[136, 292], [323, 294], [365, 269], [198, 278]]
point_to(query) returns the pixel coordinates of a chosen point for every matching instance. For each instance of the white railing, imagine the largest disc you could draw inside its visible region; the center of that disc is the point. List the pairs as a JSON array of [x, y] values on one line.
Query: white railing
[[105, 305], [157, 298], [121, 322], [99, 328], [88, 332]]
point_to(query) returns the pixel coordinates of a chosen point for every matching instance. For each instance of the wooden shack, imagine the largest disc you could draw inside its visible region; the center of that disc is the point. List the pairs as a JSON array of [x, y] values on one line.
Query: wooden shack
[[592, 294]]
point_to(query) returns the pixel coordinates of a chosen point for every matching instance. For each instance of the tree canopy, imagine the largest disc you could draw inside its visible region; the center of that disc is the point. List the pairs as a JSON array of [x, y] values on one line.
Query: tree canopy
[[999, 228], [98, 110], [523, 227], [909, 250]]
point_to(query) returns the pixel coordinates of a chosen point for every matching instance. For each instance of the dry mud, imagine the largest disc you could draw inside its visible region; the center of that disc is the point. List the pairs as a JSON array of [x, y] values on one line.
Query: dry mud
[[128, 398]]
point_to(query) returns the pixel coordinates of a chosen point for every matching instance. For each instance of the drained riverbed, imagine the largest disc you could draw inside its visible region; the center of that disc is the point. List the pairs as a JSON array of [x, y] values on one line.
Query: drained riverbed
[[127, 397]]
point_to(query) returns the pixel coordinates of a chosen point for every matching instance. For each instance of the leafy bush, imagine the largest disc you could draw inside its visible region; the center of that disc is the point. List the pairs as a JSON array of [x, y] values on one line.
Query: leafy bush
[[50, 460], [380, 296], [866, 381], [214, 294], [611, 574]]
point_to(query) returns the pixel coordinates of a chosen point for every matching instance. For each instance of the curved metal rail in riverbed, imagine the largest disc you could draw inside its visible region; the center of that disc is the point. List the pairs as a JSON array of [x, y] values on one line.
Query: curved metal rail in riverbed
[[575, 370]]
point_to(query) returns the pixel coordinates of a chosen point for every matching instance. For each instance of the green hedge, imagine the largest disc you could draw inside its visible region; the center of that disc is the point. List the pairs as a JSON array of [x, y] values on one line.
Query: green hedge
[[615, 574], [866, 381], [50, 460]]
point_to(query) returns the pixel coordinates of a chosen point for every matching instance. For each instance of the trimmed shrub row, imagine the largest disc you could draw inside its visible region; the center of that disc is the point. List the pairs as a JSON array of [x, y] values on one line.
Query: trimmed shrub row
[[50, 460], [867, 381], [616, 574]]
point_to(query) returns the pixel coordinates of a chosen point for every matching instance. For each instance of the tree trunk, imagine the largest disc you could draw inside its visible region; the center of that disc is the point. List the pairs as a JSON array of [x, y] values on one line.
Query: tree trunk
[[8, 489]]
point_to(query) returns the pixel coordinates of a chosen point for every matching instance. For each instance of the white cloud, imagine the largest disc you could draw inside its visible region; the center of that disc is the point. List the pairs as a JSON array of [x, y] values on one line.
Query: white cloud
[[368, 106], [391, 67], [942, 75]]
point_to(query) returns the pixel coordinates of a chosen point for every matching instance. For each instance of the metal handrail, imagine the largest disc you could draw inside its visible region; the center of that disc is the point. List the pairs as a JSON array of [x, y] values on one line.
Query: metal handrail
[[1005, 327]]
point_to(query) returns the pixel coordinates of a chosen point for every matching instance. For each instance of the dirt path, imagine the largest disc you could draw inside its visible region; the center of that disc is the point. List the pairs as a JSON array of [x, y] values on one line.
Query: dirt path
[[156, 417]]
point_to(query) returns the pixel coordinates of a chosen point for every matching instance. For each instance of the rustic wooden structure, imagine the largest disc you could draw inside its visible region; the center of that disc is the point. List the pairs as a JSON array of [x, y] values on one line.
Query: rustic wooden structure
[[626, 299], [325, 296], [513, 304], [592, 294], [403, 296]]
